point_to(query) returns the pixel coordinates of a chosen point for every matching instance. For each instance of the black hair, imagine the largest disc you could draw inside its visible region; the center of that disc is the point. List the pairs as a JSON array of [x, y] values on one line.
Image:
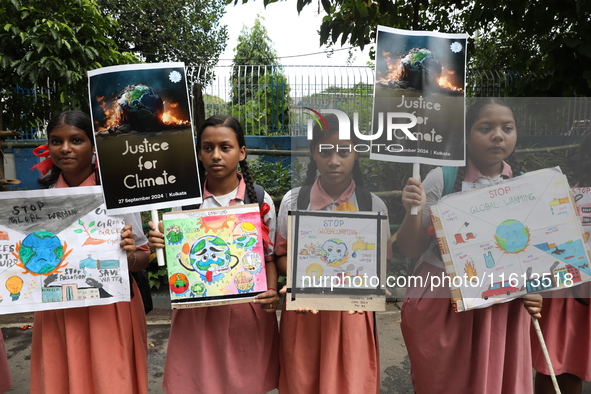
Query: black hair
[[234, 124], [74, 118], [582, 172], [318, 133], [471, 117]]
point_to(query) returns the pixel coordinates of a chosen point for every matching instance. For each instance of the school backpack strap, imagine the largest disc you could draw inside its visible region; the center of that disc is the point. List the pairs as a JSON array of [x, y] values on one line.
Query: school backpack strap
[[363, 196], [260, 192], [449, 179], [304, 197]]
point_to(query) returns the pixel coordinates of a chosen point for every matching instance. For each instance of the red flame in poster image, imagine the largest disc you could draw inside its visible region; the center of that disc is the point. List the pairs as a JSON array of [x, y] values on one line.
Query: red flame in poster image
[[447, 80], [112, 115]]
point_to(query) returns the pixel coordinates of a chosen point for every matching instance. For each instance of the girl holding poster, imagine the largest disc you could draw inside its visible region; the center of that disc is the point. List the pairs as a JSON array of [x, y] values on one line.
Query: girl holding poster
[[477, 351], [328, 351], [5, 379], [229, 348], [566, 323], [97, 349]]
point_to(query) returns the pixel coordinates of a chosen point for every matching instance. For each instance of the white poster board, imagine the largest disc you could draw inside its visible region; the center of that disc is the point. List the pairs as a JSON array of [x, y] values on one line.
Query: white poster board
[[336, 260], [60, 250], [501, 242]]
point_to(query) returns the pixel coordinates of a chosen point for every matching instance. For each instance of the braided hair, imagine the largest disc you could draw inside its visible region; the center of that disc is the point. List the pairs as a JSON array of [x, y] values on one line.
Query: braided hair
[[234, 124], [471, 118], [74, 118], [319, 133], [582, 173]]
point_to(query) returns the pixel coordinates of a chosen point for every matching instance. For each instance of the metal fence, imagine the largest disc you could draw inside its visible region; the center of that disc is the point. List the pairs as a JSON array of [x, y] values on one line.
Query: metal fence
[[271, 100], [258, 95]]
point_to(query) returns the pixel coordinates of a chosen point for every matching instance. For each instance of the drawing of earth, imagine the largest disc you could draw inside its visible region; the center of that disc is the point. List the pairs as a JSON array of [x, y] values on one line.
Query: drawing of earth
[[210, 257], [512, 236], [41, 252]]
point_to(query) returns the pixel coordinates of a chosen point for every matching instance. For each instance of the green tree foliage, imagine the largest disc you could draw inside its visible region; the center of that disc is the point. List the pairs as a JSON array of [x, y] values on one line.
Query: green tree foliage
[[46, 48], [352, 99], [254, 49], [188, 31], [260, 92], [546, 42]]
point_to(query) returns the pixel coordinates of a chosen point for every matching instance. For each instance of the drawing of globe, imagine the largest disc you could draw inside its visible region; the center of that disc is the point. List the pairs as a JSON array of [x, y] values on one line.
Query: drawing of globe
[[140, 107], [419, 67], [41, 252], [512, 236]]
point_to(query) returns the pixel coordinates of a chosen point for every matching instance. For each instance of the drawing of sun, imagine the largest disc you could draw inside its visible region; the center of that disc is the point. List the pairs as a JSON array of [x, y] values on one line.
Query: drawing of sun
[[314, 270], [215, 223]]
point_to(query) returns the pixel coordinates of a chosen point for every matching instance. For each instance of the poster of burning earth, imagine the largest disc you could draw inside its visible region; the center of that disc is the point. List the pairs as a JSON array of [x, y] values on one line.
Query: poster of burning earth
[[144, 139], [418, 112]]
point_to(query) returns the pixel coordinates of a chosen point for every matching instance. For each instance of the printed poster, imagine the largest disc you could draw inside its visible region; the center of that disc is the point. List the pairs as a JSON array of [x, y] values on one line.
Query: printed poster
[[501, 242], [144, 139], [336, 260], [214, 256], [60, 250], [418, 109]]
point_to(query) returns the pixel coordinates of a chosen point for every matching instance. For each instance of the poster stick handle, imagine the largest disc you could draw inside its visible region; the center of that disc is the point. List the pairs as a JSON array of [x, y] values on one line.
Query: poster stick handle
[[159, 251], [546, 355], [416, 174]]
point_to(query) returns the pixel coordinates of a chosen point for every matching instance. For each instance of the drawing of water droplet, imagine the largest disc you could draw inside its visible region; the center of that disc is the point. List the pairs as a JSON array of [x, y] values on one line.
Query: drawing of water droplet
[[354, 254]]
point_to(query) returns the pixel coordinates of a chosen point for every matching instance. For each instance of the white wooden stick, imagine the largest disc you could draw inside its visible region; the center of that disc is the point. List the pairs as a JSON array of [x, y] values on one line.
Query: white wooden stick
[[416, 173], [546, 355], [159, 251]]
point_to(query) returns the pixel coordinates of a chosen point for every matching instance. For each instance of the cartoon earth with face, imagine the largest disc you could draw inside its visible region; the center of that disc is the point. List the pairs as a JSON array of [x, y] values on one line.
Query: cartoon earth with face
[[334, 252], [210, 257], [512, 236], [41, 252]]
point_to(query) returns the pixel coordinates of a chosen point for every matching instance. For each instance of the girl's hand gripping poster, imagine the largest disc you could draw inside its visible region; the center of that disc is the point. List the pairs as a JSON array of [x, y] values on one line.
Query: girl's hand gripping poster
[[59, 250], [501, 242], [214, 256]]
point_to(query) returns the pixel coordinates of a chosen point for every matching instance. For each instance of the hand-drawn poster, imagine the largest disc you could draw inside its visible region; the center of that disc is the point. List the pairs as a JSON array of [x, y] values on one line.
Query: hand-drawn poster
[[59, 250], [418, 109], [582, 196], [501, 242], [144, 140], [214, 256], [336, 260]]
